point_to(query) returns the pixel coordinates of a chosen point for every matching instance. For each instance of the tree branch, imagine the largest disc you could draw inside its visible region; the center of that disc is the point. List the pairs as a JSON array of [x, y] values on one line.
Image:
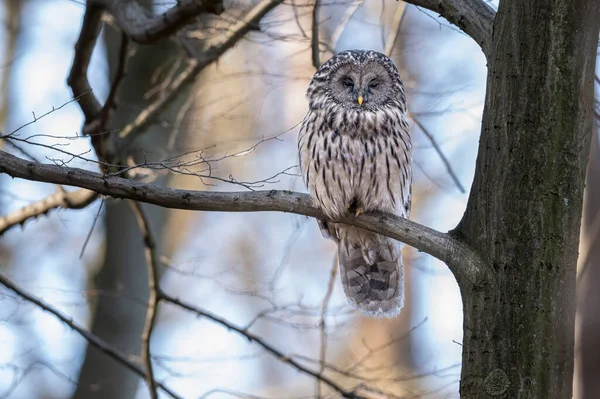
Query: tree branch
[[474, 17], [69, 200], [314, 44], [464, 263], [139, 27], [152, 264], [259, 341], [216, 50], [78, 80], [88, 336]]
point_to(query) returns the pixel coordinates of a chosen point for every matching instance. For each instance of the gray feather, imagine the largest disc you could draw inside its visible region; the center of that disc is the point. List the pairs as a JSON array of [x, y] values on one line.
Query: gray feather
[[358, 157]]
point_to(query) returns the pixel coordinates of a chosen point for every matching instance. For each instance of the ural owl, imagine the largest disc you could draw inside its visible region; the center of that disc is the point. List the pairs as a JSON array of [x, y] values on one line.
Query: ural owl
[[355, 156]]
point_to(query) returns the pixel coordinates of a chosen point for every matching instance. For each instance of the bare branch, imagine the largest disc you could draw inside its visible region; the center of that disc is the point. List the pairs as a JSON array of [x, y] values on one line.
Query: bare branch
[[104, 347], [78, 80], [140, 28], [316, 58], [464, 263], [437, 149], [474, 17], [322, 327], [152, 263], [341, 27], [259, 341], [228, 40], [395, 28], [61, 199]]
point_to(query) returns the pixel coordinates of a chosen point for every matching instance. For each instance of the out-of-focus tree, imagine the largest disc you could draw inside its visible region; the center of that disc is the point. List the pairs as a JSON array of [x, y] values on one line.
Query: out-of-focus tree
[[116, 319], [588, 279]]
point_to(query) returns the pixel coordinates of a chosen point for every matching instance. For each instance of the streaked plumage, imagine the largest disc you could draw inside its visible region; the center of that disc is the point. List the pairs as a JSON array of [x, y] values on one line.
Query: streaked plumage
[[355, 155]]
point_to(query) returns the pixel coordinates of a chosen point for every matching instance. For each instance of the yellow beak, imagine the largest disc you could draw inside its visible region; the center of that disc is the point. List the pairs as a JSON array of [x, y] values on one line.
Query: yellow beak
[[360, 100]]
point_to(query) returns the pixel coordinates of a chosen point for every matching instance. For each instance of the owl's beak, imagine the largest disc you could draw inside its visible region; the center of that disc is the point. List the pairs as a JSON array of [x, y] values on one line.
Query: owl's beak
[[360, 100]]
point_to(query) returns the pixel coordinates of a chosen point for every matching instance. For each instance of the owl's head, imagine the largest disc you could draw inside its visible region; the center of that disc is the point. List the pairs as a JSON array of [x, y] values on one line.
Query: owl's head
[[357, 79]]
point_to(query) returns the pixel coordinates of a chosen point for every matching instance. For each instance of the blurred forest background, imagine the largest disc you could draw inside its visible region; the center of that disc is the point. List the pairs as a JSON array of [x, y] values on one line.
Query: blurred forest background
[[269, 272]]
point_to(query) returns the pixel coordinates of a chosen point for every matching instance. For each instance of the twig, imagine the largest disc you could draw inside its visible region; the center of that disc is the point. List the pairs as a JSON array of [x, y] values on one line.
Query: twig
[[462, 260], [323, 331], [152, 263], [259, 341], [89, 234], [110, 350], [246, 24], [437, 148], [315, 36], [297, 19], [61, 199]]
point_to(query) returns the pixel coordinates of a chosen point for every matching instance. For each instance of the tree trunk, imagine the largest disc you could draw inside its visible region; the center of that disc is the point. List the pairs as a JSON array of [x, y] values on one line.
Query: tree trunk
[[524, 210]]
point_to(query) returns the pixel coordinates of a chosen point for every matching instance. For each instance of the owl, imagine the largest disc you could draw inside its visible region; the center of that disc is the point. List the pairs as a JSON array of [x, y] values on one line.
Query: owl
[[355, 155]]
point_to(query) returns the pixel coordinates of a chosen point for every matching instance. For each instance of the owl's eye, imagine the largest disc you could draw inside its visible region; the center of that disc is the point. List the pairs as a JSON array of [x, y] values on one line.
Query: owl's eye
[[348, 82], [373, 85]]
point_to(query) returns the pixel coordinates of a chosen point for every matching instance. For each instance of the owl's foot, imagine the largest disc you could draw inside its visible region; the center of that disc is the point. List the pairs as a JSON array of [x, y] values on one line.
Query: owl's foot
[[354, 208]]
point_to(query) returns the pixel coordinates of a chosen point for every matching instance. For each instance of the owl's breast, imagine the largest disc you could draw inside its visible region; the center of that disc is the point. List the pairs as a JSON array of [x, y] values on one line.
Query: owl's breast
[[346, 167]]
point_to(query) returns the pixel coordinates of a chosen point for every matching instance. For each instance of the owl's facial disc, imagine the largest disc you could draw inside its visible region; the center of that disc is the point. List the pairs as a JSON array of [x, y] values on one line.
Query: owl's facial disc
[[365, 87]]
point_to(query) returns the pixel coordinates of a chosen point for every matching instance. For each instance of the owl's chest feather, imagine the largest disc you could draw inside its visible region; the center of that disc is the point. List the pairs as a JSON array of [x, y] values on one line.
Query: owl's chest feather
[[361, 163]]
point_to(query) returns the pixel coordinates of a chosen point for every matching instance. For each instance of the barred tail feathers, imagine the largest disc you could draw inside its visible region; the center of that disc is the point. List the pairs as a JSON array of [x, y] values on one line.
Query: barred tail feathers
[[375, 285]]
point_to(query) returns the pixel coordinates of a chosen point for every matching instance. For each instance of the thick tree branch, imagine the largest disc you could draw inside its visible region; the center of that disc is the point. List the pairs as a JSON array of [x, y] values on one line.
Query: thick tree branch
[[474, 17], [104, 347], [141, 28], [463, 262]]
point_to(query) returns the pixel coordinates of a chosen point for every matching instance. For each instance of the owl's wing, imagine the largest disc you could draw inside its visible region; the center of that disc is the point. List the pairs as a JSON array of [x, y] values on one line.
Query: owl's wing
[[328, 230]]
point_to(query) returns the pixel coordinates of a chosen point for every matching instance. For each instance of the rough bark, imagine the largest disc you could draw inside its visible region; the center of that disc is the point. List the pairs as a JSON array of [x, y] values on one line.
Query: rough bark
[[524, 210]]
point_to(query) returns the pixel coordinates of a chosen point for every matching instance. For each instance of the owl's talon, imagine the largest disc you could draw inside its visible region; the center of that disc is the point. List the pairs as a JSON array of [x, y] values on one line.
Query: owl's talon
[[359, 211]]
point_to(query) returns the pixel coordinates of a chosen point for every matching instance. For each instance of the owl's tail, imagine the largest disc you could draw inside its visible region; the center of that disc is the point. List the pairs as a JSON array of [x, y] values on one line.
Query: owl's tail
[[374, 286]]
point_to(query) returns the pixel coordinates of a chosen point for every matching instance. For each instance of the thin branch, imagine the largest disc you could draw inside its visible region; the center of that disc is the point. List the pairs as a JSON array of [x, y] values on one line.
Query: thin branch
[[134, 21], [395, 28], [259, 341], [229, 39], [322, 327], [464, 263], [61, 199], [341, 27], [152, 263], [474, 17], [89, 234], [316, 61], [104, 347], [437, 149]]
